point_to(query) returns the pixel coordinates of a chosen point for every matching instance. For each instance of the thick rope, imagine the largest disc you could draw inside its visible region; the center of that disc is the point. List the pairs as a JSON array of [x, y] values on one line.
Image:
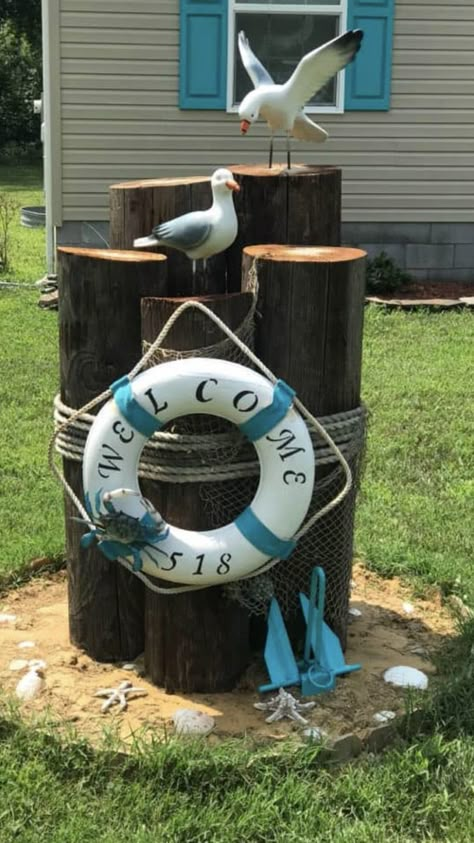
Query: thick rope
[[142, 363], [346, 429]]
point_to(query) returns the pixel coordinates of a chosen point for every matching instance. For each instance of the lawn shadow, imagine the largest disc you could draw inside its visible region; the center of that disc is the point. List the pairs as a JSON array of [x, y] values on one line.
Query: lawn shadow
[[21, 175]]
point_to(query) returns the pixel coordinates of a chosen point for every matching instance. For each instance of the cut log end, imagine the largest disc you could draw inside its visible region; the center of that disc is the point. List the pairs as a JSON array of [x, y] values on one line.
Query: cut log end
[[304, 254], [165, 182], [208, 299], [279, 170], [124, 256]]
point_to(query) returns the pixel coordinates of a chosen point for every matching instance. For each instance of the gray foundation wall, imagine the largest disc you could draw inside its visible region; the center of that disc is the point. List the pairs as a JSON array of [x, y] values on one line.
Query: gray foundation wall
[[432, 251], [427, 251]]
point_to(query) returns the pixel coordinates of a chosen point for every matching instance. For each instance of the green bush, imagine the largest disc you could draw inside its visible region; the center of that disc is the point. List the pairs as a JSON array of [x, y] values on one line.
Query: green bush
[[384, 276], [20, 84]]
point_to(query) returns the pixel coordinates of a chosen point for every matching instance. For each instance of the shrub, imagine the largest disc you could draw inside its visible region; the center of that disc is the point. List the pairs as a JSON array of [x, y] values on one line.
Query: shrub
[[8, 212], [384, 276], [20, 84]]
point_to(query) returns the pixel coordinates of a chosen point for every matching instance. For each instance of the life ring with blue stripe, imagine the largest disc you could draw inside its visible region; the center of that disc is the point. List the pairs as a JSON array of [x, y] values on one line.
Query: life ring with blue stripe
[[126, 525]]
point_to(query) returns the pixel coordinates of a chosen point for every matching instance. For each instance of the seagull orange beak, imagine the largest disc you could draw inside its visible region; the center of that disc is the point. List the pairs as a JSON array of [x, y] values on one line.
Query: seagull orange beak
[[232, 185], [244, 127]]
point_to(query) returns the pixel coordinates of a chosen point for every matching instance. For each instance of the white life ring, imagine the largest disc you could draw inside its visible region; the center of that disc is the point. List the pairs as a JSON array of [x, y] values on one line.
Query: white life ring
[[265, 415]]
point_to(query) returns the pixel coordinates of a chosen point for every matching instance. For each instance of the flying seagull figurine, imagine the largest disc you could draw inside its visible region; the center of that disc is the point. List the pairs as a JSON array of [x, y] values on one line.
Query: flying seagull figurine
[[282, 105], [200, 234]]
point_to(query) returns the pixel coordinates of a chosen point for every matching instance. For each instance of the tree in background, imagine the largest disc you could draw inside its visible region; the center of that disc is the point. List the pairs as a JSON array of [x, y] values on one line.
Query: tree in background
[[20, 73]]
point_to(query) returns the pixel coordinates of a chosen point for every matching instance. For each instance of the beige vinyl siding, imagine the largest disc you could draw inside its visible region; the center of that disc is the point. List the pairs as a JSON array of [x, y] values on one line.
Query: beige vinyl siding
[[120, 120]]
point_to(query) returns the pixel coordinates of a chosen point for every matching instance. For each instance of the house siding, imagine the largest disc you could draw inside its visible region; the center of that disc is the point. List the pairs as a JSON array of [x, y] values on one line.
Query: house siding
[[120, 120]]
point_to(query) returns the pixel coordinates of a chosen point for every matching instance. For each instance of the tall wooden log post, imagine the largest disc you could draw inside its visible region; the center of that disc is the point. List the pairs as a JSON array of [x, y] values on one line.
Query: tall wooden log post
[[100, 340], [301, 206], [137, 206], [311, 301], [195, 641]]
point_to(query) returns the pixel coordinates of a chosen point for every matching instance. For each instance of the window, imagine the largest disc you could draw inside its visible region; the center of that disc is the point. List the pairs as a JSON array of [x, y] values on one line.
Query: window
[[280, 33], [210, 72]]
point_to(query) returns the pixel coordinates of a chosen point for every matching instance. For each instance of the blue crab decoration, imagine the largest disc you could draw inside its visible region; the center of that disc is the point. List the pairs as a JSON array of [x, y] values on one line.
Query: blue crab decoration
[[120, 534]]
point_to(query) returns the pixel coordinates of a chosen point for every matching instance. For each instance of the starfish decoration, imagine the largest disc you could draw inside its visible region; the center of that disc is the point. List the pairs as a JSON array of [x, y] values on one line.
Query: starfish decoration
[[284, 705], [118, 695]]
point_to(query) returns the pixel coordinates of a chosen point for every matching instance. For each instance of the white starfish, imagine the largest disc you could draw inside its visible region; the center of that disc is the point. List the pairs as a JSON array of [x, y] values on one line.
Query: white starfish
[[285, 705], [118, 695]]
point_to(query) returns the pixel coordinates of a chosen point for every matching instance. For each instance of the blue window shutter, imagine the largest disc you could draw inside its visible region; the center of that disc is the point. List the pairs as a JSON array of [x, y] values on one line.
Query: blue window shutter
[[203, 54], [368, 77]]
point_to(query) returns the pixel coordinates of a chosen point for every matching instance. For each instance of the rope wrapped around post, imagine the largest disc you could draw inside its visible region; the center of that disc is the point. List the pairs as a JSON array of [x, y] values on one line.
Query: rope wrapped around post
[[78, 417]]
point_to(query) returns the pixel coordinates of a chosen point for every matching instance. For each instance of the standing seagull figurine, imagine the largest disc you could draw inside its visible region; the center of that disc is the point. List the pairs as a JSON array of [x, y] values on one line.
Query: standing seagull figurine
[[201, 234], [282, 105]]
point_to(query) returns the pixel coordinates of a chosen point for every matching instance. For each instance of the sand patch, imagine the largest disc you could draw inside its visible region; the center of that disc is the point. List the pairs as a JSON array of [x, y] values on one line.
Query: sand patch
[[384, 636]]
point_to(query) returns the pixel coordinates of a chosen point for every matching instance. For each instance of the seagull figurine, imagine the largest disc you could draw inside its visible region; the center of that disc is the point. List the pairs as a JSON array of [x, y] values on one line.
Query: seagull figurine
[[282, 105], [201, 234]]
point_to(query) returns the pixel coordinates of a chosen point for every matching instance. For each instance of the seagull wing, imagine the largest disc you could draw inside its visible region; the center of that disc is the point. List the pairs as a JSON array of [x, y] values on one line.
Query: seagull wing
[[184, 233], [253, 66], [319, 66], [305, 129]]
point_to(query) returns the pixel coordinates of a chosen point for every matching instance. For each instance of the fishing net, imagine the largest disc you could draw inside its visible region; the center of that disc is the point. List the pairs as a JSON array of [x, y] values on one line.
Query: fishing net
[[212, 454], [220, 453]]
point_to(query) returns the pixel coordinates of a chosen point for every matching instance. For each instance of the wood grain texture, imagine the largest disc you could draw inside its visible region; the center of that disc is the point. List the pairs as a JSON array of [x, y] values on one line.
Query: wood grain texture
[[136, 207], [194, 642], [99, 334], [310, 335], [301, 206]]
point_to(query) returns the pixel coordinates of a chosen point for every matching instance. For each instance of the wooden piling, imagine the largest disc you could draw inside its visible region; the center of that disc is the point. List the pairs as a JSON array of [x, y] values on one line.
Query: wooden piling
[[311, 302], [99, 333], [301, 206], [195, 641]]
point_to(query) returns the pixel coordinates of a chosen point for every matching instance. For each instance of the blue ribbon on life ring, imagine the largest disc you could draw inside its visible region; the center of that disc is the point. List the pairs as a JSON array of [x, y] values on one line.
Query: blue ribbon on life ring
[[265, 420], [261, 537], [141, 420]]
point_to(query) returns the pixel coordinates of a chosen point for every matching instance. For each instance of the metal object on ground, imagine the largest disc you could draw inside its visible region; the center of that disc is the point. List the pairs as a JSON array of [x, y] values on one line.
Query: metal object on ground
[[33, 216], [323, 659]]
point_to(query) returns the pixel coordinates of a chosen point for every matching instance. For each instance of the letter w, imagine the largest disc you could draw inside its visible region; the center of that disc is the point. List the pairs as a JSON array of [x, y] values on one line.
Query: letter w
[[285, 439], [110, 461]]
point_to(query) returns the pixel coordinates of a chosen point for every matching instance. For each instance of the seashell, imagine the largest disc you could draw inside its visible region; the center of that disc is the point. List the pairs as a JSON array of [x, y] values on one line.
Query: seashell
[[355, 613], [30, 685], [406, 677], [23, 645], [408, 608], [5, 618], [190, 722], [314, 733], [18, 664], [384, 716], [37, 664]]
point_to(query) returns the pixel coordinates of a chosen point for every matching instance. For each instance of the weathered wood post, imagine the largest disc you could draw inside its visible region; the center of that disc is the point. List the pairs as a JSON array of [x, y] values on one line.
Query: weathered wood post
[[137, 206], [99, 333], [196, 641], [311, 301], [301, 206]]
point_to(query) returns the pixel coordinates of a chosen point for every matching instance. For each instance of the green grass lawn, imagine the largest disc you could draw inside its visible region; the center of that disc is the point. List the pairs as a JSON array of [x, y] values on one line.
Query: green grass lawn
[[417, 499], [413, 520], [181, 792], [24, 184]]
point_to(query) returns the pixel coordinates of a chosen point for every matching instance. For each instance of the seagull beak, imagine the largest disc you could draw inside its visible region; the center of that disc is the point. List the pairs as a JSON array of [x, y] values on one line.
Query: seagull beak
[[244, 127], [232, 185]]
